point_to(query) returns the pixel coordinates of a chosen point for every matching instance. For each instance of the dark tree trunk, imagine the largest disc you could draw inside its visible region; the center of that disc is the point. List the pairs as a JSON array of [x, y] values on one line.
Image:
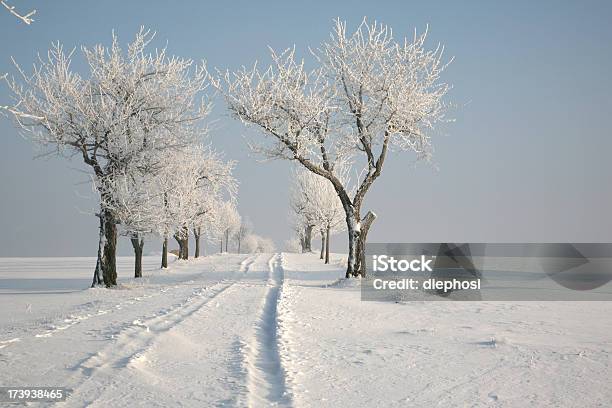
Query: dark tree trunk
[[182, 238], [109, 264], [353, 237], [327, 246], [181, 243], [97, 277], [322, 244], [164, 263], [303, 243], [221, 249], [196, 235], [138, 245], [307, 239], [185, 248], [226, 238], [366, 223], [186, 243]]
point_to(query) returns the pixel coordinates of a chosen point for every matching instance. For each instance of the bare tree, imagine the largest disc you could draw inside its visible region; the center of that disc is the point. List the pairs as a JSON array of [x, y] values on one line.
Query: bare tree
[[369, 93], [130, 102]]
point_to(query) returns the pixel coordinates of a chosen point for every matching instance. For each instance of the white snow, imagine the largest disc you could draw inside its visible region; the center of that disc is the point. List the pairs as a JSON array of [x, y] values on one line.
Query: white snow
[[283, 330]]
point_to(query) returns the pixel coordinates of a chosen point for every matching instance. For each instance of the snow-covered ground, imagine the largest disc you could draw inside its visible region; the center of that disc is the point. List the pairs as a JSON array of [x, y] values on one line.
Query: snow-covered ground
[[280, 329]]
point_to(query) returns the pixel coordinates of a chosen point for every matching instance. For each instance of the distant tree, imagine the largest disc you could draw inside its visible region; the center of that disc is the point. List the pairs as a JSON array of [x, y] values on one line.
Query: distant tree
[[302, 227], [367, 94], [245, 228], [254, 243], [301, 216], [214, 184], [319, 203], [228, 222], [292, 245], [266, 245]]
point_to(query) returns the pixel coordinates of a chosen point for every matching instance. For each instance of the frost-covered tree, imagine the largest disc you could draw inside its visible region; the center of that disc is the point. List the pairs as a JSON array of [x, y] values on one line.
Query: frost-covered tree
[[245, 228], [193, 183], [301, 219], [292, 245], [367, 94], [176, 184], [214, 184], [254, 243], [130, 101], [318, 202], [228, 221], [131, 195], [266, 245]]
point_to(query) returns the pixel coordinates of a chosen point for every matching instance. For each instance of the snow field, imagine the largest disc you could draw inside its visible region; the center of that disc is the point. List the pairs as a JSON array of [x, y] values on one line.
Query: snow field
[[282, 330]]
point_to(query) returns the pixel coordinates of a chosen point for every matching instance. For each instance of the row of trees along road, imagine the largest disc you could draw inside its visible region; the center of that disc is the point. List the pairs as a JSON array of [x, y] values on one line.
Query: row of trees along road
[[136, 123]]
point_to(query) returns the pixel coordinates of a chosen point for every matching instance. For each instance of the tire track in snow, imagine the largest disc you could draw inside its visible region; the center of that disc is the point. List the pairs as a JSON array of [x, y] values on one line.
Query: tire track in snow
[[265, 375], [6, 343], [76, 318], [134, 341]]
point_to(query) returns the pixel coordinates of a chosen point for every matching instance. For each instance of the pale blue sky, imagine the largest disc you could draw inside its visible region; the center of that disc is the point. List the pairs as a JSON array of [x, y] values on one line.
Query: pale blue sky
[[527, 160]]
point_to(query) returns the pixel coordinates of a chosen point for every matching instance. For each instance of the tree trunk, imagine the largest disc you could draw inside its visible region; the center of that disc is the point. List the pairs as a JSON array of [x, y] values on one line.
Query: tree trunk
[[164, 263], [303, 243], [138, 245], [366, 223], [185, 248], [109, 261], [352, 227], [181, 243], [308, 239], [327, 246], [182, 238], [97, 277], [186, 242], [322, 244], [221, 249], [196, 235], [226, 238]]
